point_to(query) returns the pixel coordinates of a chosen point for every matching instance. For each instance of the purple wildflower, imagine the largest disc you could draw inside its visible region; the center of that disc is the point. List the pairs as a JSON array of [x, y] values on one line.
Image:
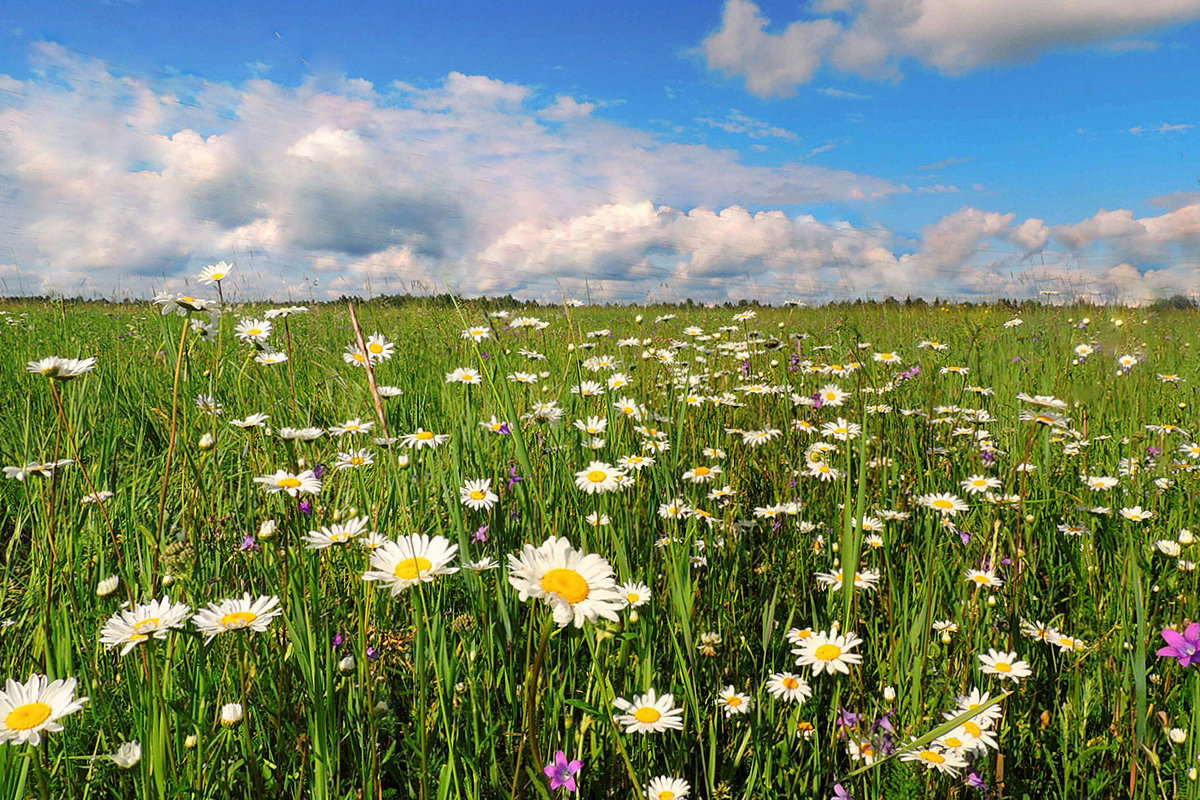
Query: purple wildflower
[[249, 543], [319, 471], [513, 477], [1183, 646], [372, 653], [987, 456], [504, 430], [976, 781], [338, 640], [306, 507], [841, 793], [562, 772], [816, 398], [480, 535]]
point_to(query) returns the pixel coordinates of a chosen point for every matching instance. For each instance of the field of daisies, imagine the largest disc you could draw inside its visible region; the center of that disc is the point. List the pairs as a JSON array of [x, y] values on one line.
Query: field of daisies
[[438, 550]]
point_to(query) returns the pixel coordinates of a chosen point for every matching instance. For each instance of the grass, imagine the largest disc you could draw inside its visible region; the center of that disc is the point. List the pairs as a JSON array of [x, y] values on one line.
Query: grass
[[457, 688]]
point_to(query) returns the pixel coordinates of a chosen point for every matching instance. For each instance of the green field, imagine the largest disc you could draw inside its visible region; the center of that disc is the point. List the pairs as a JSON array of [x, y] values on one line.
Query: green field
[[788, 445]]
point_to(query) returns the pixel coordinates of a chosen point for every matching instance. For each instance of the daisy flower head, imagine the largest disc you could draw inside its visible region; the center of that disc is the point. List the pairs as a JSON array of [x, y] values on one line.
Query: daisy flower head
[[664, 787], [1004, 665], [789, 687], [354, 458], [61, 369], [214, 273], [465, 375], [181, 304], [732, 702], [477, 333], [130, 627], [477, 495], [337, 533], [577, 586], [974, 702], [984, 577], [235, 615], [977, 484], [423, 438], [831, 395], [253, 331], [1136, 514], [379, 349], [269, 358], [649, 713], [27, 709], [936, 757], [352, 426], [305, 482], [828, 652], [635, 594], [944, 503], [410, 560], [599, 477], [702, 474]]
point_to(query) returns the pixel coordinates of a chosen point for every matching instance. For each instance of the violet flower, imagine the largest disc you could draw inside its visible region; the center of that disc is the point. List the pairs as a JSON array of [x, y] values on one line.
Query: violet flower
[[1183, 646], [306, 507], [562, 772], [480, 535], [513, 477], [249, 543]]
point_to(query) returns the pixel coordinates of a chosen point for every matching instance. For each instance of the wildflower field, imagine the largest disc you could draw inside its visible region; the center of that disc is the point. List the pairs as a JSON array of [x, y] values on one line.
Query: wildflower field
[[438, 550]]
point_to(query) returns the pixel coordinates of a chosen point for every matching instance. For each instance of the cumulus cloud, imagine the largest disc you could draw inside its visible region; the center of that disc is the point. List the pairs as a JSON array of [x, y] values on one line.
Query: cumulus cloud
[[872, 37], [117, 184]]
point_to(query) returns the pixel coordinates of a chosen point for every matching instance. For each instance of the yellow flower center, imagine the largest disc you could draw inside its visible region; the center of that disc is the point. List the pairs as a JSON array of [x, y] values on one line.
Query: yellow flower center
[[597, 476], [828, 652], [567, 584], [30, 715], [358, 461], [359, 357], [941, 502], [700, 472], [647, 714], [1002, 666], [410, 568], [791, 683], [255, 331], [633, 597], [424, 435], [152, 623], [478, 494], [289, 482], [933, 757], [734, 701], [237, 619], [375, 347], [187, 299], [982, 579], [973, 729], [953, 741], [666, 794]]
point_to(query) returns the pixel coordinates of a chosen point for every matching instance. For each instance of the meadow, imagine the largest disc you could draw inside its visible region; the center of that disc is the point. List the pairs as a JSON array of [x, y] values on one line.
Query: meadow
[[480, 550]]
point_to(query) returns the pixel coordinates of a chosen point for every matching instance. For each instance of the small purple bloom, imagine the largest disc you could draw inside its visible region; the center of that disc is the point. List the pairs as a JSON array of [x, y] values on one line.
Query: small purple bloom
[[846, 718], [562, 772], [485, 356], [306, 507], [841, 793], [1183, 646], [480, 535], [513, 477], [1153, 451], [987, 456], [338, 640], [976, 781], [249, 543], [372, 653], [816, 398], [504, 430], [319, 471]]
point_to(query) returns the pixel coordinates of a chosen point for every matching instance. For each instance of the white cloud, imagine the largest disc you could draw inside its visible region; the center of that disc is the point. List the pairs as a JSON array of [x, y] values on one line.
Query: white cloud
[[951, 36], [737, 122], [1162, 127]]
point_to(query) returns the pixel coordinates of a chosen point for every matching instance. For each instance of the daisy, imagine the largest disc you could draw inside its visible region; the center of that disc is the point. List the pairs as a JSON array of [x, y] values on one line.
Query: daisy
[[649, 713], [1004, 665], [379, 349], [181, 304], [731, 701], [337, 533], [665, 787], [253, 331], [27, 709], [1099, 483], [61, 369], [269, 358], [301, 434], [984, 577], [975, 701], [598, 477], [464, 375], [1136, 514], [788, 686], [133, 626], [354, 357], [757, 438], [214, 273], [831, 395], [944, 503], [592, 425], [598, 519], [423, 438], [828, 653], [355, 425], [635, 462], [477, 333], [977, 484], [235, 615], [635, 594], [477, 495], [128, 755], [577, 586], [354, 458], [411, 560], [935, 757], [822, 471], [842, 429], [293, 484], [702, 474]]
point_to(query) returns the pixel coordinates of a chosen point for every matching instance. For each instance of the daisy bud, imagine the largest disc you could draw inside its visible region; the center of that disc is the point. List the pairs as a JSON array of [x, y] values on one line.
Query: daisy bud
[[267, 529], [945, 637], [991, 601], [107, 586], [190, 741], [633, 616], [346, 664], [1029, 518], [207, 441], [231, 714], [889, 693], [381, 709], [1186, 537], [1192, 774], [1178, 735]]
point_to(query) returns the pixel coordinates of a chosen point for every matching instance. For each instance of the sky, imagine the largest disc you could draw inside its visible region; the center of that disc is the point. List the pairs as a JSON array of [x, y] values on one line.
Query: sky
[[612, 152]]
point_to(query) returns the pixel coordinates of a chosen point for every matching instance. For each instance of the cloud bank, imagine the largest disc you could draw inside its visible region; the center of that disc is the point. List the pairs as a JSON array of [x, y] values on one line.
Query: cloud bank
[[120, 185]]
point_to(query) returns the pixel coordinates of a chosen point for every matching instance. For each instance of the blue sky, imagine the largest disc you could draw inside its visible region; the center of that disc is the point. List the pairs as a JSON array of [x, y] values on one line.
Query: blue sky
[[837, 148]]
